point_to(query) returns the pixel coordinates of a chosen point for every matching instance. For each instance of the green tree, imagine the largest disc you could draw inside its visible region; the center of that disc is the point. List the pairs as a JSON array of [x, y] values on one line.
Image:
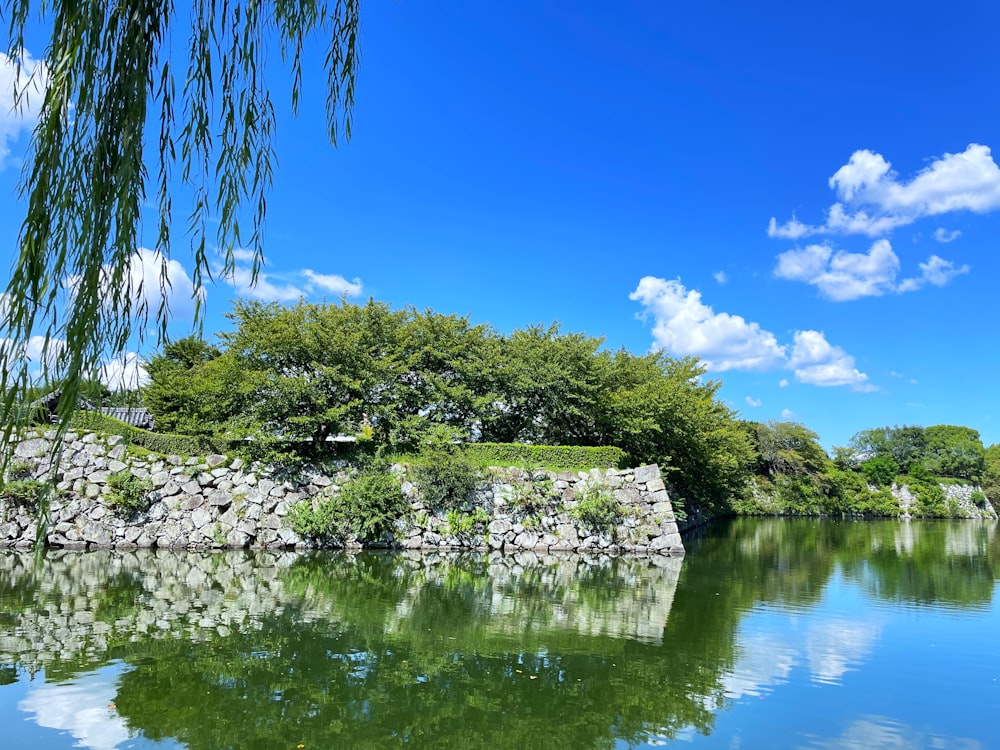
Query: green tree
[[991, 474], [790, 448], [549, 387], [954, 451], [660, 410], [111, 93], [189, 390]]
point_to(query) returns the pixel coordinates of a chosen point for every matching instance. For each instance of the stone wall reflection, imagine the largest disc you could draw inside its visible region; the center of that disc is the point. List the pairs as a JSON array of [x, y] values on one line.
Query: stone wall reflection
[[72, 608]]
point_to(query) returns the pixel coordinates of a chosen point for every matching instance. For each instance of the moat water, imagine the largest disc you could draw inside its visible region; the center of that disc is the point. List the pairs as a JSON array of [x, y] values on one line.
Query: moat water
[[770, 633]]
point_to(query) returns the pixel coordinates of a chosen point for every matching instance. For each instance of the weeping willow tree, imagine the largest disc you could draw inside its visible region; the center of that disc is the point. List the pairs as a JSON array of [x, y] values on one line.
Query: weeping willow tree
[[116, 127]]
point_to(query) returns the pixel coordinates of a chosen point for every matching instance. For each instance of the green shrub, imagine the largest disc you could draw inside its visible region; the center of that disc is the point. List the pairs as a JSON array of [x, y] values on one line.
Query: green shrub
[[127, 493], [596, 507], [163, 443], [366, 508], [880, 471], [530, 495], [461, 523], [18, 469], [978, 499], [24, 493], [444, 478], [551, 456], [931, 500]]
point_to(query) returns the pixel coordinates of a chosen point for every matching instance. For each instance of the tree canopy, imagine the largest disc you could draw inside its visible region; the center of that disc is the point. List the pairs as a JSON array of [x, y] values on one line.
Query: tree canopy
[[307, 372], [116, 126]]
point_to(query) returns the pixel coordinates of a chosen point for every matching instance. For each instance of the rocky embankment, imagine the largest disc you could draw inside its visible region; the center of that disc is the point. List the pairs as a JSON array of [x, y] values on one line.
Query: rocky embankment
[[216, 501]]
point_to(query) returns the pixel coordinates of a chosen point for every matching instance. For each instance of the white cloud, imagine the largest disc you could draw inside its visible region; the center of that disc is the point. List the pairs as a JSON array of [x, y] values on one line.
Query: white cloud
[[787, 414], [242, 255], [936, 271], [783, 383], [30, 82], [147, 270], [333, 283], [817, 362], [874, 201], [720, 277], [242, 280], [843, 276], [150, 279], [272, 288], [684, 326], [754, 402], [943, 235], [124, 373]]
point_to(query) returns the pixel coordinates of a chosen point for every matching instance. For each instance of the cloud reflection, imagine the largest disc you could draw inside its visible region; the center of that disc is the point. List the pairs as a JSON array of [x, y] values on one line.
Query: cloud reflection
[[80, 707]]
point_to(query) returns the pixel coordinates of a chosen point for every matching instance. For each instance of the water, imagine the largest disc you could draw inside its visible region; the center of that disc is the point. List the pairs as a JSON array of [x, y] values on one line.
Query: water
[[770, 633]]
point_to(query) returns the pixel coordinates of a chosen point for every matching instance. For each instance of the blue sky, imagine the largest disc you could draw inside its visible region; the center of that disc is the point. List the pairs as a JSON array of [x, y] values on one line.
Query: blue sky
[[802, 195]]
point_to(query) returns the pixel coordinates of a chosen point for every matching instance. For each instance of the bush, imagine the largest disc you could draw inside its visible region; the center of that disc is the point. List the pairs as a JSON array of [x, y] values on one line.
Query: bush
[[931, 501], [596, 508], [366, 508], [24, 493], [164, 443], [880, 471], [978, 499], [444, 478], [550, 456], [467, 524], [531, 494], [127, 493]]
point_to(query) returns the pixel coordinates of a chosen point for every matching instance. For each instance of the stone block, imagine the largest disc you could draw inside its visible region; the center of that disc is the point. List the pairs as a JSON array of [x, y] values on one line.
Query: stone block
[[646, 473]]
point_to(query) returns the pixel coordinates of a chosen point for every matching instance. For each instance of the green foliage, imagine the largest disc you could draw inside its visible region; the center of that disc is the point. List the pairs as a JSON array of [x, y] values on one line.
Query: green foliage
[[24, 493], [944, 450], [978, 499], [904, 445], [462, 523], [19, 469], [531, 494], [444, 476], [162, 443], [188, 387], [662, 410], [881, 470], [91, 175], [556, 457], [991, 474], [366, 508], [837, 492], [291, 377], [596, 507], [787, 448], [954, 451], [128, 494]]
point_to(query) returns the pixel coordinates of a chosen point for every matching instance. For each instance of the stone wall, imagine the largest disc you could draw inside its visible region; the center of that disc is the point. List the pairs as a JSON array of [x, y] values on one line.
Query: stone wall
[[220, 502]]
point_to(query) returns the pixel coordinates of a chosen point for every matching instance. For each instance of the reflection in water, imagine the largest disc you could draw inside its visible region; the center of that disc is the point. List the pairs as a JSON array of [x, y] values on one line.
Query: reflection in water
[[84, 707], [265, 650]]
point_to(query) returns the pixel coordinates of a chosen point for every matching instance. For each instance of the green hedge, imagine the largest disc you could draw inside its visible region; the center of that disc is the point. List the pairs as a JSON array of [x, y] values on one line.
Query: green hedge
[[550, 456], [163, 443]]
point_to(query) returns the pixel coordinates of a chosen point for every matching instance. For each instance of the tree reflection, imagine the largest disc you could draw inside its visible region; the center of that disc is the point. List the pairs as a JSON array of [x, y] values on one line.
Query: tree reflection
[[466, 650]]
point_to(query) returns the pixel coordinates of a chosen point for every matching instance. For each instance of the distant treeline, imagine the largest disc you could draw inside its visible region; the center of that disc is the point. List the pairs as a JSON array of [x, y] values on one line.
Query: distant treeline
[[793, 474]]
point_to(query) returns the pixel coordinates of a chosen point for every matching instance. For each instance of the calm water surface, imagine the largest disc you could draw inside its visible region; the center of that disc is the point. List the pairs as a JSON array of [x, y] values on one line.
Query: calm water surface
[[770, 633]]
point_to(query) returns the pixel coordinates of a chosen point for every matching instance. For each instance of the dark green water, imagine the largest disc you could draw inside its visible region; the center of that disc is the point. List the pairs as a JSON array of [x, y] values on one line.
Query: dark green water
[[770, 633]]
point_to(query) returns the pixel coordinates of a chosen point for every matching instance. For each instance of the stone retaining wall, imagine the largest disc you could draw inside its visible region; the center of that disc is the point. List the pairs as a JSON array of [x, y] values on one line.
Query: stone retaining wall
[[218, 502]]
